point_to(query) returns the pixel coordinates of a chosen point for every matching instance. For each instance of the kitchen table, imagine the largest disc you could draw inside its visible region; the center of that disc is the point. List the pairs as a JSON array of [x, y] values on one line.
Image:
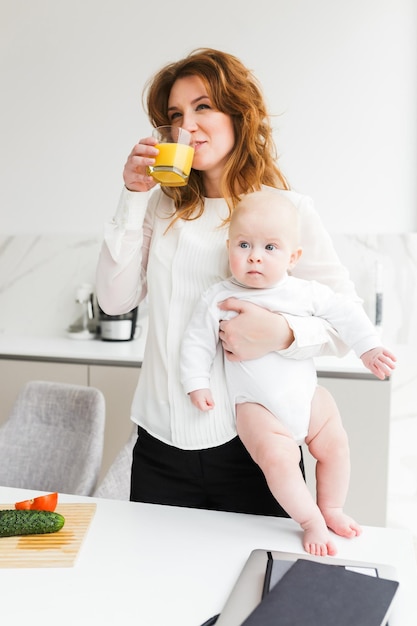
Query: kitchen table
[[155, 565]]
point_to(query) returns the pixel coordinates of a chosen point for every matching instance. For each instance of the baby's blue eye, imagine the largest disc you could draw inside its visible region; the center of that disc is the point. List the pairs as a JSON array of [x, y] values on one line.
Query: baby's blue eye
[[269, 246], [244, 245]]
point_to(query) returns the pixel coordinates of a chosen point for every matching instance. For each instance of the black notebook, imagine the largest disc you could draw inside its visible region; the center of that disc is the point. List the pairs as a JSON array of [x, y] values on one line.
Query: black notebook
[[320, 594]]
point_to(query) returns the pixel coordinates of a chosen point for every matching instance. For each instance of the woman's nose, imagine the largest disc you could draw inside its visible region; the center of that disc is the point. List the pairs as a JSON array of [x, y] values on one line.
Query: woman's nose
[[189, 121]]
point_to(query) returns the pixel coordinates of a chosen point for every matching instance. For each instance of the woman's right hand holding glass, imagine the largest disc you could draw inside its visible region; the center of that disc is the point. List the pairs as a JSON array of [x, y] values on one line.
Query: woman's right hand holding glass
[[135, 173]]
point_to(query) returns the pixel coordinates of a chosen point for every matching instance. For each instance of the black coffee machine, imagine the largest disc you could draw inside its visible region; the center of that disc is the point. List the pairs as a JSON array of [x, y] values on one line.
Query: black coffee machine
[[118, 327]]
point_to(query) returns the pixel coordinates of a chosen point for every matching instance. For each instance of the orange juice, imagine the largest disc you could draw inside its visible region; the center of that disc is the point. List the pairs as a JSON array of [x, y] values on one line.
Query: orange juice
[[172, 164]]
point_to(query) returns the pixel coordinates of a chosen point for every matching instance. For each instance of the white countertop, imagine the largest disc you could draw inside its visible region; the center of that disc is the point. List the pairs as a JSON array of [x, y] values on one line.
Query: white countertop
[[349, 366], [65, 349], [159, 565]]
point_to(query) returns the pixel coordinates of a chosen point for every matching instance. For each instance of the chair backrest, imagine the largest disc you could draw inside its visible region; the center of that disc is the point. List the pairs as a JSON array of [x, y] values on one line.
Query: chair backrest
[[53, 438]]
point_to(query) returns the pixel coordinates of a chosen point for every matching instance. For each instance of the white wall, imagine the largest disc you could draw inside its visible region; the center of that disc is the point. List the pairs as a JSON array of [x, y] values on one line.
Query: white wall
[[339, 76]]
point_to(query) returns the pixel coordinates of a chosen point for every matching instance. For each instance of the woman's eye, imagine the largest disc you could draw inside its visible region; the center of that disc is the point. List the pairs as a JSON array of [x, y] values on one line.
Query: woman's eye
[[174, 116], [202, 106]]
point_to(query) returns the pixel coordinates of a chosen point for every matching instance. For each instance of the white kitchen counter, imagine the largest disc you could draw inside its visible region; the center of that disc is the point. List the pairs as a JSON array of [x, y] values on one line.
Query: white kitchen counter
[[63, 349], [349, 366]]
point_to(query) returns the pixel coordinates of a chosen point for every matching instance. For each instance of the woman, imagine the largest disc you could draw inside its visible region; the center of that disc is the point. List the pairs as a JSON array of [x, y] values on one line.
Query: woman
[[171, 245]]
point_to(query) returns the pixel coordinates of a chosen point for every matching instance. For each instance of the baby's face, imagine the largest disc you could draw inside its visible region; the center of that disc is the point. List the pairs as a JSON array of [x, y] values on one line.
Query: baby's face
[[261, 247]]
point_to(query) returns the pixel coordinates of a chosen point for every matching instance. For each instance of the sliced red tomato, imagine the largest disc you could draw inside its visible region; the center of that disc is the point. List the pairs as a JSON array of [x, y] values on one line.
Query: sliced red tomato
[[41, 503]]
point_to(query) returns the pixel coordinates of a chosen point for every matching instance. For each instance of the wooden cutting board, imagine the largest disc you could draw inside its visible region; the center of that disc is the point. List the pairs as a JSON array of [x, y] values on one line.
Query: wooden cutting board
[[50, 550]]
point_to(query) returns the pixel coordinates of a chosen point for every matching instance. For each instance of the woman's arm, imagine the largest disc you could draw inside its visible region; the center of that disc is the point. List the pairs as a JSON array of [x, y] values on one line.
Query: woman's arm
[[319, 260], [121, 268], [257, 331]]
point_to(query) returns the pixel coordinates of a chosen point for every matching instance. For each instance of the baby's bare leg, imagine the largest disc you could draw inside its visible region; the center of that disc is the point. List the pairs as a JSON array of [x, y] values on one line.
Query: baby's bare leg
[[328, 443], [273, 448]]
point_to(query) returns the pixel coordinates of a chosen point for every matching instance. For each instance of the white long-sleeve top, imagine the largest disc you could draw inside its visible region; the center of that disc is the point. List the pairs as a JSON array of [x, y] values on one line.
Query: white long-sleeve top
[[174, 267], [283, 385]]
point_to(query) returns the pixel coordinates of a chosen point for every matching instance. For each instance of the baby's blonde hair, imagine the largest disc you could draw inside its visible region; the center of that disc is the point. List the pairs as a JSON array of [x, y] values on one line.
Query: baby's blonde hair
[[265, 201]]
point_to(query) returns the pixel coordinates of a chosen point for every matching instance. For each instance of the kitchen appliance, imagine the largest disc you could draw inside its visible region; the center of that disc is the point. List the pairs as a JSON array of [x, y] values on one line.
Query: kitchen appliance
[[86, 325], [118, 327]]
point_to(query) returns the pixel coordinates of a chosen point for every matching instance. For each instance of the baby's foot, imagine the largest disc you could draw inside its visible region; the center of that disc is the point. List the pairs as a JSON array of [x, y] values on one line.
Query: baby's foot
[[340, 523], [317, 538]]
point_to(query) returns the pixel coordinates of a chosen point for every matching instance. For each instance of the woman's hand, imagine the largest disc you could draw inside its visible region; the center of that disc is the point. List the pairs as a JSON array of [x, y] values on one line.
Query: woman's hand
[[254, 332], [135, 174]]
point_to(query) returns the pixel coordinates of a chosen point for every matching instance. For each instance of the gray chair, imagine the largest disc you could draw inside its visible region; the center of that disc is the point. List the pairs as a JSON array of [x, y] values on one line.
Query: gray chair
[[53, 438], [116, 482]]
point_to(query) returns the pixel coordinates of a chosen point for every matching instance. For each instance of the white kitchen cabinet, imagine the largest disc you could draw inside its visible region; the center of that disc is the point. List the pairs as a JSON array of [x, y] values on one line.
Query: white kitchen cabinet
[[14, 373], [364, 404]]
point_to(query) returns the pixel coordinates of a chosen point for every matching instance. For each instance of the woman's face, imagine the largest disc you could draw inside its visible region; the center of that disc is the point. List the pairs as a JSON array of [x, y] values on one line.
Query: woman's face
[[213, 137]]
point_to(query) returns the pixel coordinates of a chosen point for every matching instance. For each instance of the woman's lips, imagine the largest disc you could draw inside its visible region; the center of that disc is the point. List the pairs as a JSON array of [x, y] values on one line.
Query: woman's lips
[[197, 145]]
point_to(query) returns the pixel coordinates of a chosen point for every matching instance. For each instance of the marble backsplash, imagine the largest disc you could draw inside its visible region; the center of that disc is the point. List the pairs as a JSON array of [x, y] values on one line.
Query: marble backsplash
[[39, 276], [396, 254]]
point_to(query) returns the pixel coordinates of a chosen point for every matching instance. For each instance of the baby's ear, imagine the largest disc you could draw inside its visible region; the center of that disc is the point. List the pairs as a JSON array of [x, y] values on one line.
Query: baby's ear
[[295, 256]]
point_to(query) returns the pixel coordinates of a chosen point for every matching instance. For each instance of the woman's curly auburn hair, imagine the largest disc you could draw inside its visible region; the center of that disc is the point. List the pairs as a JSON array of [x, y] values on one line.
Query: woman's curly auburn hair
[[235, 91]]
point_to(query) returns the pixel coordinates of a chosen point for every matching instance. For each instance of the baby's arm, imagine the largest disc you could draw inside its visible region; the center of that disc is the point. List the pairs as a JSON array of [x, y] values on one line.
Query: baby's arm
[[379, 361], [202, 399], [198, 351]]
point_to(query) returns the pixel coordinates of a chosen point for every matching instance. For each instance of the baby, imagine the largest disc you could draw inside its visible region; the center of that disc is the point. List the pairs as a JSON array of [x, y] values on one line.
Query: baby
[[278, 404]]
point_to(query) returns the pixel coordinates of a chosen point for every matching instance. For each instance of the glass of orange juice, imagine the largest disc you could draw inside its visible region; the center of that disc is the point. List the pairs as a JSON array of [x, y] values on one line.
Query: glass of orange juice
[[173, 163]]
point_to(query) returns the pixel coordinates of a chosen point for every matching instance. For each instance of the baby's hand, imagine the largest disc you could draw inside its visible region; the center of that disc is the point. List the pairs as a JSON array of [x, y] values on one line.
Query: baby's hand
[[379, 361], [202, 399]]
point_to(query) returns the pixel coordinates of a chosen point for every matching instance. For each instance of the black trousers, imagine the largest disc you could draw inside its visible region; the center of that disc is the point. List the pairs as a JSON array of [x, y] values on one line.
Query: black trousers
[[224, 478]]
